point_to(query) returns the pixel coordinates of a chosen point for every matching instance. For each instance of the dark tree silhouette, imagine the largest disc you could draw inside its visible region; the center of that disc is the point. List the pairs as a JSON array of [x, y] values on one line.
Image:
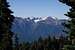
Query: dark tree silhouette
[[70, 25], [16, 42], [6, 20]]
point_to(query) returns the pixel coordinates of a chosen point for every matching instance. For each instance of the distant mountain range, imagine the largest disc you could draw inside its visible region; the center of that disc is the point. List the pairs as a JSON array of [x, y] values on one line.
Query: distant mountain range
[[31, 29]]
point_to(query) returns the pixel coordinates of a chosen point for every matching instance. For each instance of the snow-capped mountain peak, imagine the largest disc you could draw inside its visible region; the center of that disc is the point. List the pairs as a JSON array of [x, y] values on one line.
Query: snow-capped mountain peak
[[30, 29], [44, 19]]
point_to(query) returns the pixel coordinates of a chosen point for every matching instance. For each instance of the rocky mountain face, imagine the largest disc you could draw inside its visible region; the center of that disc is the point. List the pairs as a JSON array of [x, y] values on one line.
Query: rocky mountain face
[[31, 29]]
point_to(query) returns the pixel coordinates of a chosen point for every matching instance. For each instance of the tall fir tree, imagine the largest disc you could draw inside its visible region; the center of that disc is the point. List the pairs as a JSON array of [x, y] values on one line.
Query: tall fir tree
[[71, 24], [16, 42], [6, 20]]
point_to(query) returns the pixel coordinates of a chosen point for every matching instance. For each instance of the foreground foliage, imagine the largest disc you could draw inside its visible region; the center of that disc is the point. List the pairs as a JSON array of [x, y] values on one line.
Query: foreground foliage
[[70, 45], [6, 20]]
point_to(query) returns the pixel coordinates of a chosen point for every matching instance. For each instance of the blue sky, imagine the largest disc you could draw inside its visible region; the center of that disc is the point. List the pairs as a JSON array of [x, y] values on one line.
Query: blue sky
[[38, 8]]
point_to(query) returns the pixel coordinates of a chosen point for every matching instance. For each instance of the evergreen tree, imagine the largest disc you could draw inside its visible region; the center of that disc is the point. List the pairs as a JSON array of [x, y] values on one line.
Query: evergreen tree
[[49, 43], [40, 42], [71, 24], [6, 20], [34, 46], [16, 42], [61, 41]]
